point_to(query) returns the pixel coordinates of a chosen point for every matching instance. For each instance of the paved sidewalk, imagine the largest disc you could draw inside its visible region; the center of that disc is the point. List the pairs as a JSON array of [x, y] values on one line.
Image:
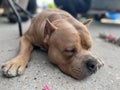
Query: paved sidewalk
[[41, 72]]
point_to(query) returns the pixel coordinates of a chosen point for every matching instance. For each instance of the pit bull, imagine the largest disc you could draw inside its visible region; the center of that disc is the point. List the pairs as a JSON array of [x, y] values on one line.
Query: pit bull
[[66, 40]]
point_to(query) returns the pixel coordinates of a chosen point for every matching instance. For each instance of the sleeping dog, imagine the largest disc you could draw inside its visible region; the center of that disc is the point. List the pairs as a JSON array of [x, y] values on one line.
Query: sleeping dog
[[66, 40]]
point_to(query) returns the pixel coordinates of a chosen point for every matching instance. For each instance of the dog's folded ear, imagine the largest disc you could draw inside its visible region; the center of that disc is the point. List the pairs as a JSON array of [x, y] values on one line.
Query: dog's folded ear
[[49, 29], [87, 22], [86, 40]]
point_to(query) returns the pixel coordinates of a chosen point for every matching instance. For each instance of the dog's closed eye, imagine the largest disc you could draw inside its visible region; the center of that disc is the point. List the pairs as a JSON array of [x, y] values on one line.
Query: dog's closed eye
[[70, 52]]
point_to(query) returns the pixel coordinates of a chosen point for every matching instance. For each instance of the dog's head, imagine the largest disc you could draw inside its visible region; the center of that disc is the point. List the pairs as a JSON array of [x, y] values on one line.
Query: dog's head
[[69, 48]]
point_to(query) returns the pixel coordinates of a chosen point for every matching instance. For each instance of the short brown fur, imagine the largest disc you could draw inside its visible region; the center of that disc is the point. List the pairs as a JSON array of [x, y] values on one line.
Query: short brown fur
[[67, 41]]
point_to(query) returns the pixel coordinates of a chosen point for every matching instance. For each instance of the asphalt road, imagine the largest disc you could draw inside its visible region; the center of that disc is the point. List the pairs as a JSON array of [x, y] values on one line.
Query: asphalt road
[[41, 72]]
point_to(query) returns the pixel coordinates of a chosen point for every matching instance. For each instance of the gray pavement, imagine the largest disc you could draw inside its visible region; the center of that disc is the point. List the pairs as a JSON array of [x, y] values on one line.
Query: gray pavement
[[41, 72]]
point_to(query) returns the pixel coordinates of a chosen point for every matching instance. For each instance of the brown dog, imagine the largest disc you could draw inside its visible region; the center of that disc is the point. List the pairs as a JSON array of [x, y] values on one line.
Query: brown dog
[[67, 41]]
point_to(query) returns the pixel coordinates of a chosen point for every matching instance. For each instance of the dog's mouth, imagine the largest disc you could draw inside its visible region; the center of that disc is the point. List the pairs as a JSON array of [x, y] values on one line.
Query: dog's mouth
[[81, 74], [86, 70]]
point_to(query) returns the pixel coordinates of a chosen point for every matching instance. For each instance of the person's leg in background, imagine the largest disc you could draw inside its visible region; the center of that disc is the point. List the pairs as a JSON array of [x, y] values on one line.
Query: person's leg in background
[[6, 7], [10, 14], [32, 5], [74, 6], [0, 2], [67, 5], [82, 6]]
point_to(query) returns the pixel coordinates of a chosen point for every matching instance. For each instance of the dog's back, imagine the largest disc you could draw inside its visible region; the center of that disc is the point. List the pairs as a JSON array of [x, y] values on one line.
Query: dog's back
[[52, 14], [36, 30]]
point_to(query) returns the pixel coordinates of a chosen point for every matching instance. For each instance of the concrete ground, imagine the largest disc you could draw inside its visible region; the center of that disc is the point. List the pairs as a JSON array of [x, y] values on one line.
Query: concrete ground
[[41, 72]]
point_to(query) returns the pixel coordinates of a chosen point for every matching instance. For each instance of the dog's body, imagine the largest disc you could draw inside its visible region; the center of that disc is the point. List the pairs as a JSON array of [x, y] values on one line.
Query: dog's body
[[67, 41], [36, 33]]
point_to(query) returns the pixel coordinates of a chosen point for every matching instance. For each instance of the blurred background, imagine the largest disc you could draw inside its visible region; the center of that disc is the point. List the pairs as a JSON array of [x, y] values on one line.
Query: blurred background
[[15, 19], [105, 11]]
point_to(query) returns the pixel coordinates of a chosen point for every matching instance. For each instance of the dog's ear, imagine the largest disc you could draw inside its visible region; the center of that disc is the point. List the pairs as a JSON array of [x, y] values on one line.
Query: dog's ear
[[88, 22], [86, 40], [49, 29]]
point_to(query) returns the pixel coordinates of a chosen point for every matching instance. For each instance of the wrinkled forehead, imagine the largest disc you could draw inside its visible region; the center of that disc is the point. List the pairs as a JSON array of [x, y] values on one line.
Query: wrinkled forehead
[[66, 37]]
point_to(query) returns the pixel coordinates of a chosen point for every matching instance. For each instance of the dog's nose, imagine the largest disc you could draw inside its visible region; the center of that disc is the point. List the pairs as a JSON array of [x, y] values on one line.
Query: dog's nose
[[91, 65]]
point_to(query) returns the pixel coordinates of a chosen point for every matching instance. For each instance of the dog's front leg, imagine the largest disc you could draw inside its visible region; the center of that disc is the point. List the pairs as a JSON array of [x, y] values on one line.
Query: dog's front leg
[[17, 65]]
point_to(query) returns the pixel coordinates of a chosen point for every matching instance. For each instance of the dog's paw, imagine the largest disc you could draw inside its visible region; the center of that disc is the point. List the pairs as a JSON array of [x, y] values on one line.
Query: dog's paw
[[13, 68]]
